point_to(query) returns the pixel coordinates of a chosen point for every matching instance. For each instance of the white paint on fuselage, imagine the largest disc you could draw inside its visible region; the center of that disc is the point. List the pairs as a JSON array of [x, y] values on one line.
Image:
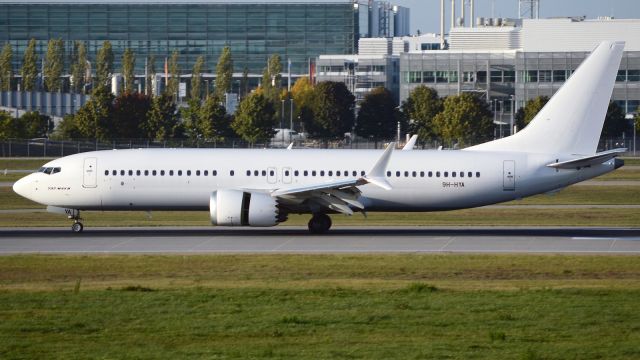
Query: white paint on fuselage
[[409, 193]]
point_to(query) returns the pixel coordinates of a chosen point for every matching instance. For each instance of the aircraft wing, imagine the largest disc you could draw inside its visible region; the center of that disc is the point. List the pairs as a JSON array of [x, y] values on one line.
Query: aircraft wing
[[598, 158], [339, 195]]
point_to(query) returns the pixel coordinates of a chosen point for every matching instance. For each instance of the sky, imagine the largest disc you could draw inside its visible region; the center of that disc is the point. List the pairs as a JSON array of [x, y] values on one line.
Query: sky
[[425, 14]]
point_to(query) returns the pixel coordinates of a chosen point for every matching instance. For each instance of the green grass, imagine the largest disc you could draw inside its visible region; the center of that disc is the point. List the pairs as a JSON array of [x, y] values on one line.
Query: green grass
[[623, 173], [22, 164], [320, 307], [635, 161], [12, 177]]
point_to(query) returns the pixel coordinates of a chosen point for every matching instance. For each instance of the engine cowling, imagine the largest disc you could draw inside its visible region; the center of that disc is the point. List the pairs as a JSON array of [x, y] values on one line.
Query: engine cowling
[[240, 208]]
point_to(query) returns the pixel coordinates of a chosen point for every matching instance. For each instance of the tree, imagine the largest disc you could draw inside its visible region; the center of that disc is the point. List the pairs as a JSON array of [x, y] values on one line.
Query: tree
[[29, 70], [151, 73], [196, 78], [465, 118], [615, 122], [104, 64], [254, 119], [79, 67], [9, 127], [94, 119], [162, 121], [224, 73], [214, 123], [174, 75], [275, 70], [422, 105], [332, 110], [128, 67], [191, 119], [130, 114], [32, 124], [378, 116], [6, 70], [68, 128], [531, 108], [302, 93], [244, 83], [54, 65]]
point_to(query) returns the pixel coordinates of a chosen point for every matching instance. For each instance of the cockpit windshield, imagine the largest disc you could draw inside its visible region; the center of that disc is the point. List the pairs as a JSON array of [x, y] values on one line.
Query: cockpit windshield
[[49, 170]]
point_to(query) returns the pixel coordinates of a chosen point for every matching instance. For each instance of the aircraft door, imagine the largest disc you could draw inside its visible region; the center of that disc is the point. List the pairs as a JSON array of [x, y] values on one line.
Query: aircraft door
[[90, 173], [286, 175], [509, 175], [272, 175]]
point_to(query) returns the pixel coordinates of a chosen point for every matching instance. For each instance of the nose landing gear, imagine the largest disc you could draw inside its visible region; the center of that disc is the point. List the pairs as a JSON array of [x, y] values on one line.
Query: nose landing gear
[[319, 223]]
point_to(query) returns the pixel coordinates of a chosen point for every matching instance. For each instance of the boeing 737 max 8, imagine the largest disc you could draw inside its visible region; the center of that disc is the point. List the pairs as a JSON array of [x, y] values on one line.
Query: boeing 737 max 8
[[250, 187]]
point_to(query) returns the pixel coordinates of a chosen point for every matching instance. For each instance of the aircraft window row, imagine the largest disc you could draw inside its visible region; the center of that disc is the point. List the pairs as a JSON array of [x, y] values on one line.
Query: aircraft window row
[[312, 173], [49, 170], [453, 174], [160, 172]]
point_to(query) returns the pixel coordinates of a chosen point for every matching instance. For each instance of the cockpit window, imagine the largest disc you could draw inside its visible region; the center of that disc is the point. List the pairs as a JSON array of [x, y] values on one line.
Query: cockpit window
[[50, 170]]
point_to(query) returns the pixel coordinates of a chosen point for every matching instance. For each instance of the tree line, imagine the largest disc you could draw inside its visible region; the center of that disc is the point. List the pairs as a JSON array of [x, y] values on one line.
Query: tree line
[[324, 111]]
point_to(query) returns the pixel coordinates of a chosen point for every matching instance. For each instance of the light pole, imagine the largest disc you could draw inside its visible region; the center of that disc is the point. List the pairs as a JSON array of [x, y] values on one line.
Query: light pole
[[291, 113], [494, 114], [501, 116], [632, 117], [512, 109], [282, 121]]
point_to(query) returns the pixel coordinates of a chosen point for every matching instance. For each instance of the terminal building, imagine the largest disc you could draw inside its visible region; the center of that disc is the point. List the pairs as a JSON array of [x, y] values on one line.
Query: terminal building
[[297, 30]]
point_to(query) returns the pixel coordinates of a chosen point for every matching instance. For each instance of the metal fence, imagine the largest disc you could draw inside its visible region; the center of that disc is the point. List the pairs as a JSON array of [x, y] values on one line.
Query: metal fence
[[55, 148]]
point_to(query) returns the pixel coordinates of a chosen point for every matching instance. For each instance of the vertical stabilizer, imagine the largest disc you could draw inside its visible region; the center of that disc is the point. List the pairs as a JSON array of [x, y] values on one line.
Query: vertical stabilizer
[[571, 122]]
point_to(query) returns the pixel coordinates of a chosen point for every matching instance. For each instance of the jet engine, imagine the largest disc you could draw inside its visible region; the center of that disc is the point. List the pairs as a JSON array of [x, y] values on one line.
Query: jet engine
[[240, 208]]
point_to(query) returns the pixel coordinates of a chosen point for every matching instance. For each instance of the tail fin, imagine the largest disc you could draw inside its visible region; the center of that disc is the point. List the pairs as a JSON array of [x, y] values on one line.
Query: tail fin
[[571, 122]]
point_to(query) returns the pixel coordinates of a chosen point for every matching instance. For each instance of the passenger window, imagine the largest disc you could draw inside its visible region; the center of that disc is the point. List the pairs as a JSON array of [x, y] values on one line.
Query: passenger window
[[446, 174], [197, 172], [362, 173], [437, 173], [106, 172], [114, 173], [477, 174], [231, 172], [414, 174], [206, 173], [153, 173], [188, 172], [170, 172], [305, 173], [354, 173], [179, 172], [256, 173], [430, 174], [397, 173], [272, 173], [338, 173], [321, 172], [161, 172], [146, 173], [130, 172], [295, 173], [469, 174], [138, 172], [264, 172], [313, 173], [248, 172], [421, 173], [461, 173], [214, 172], [406, 174], [286, 173], [121, 172], [388, 173]]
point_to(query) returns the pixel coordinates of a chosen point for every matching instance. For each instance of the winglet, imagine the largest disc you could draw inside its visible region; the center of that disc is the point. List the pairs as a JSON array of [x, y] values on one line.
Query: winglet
[[376, 175], [290, 146], [411, 143]]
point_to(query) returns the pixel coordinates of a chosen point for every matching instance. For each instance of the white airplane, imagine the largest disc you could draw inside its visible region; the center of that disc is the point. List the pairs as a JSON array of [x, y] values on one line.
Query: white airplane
[[247, 187]]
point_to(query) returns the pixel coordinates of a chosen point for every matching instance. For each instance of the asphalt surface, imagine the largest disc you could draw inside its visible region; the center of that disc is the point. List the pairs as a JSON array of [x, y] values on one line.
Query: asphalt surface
[[192, 240]]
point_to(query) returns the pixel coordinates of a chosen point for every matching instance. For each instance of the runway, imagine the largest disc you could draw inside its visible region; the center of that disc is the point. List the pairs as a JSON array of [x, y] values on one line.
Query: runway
[[289, 239]]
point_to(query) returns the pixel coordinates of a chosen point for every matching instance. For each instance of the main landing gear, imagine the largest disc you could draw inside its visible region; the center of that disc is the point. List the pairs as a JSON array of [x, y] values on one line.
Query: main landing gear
[[77, 225], [319, 223]]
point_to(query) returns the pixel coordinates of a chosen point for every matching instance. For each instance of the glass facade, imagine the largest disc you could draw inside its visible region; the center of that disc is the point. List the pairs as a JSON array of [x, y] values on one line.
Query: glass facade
[[297, 30]]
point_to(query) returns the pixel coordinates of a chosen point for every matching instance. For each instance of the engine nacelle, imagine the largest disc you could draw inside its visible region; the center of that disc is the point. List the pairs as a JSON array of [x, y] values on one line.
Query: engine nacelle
[[239, 208]]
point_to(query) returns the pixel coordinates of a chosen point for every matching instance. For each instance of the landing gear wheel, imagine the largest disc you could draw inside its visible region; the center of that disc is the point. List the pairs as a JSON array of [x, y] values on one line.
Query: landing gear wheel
[[319, 224], [77, 227]]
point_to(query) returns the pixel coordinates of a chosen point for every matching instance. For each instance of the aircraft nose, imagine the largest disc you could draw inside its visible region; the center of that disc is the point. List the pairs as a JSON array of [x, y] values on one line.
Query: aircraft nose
[[21, 186]]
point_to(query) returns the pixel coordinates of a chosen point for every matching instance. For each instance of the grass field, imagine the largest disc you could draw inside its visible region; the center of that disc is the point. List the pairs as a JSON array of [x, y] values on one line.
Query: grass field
[[320, 307]]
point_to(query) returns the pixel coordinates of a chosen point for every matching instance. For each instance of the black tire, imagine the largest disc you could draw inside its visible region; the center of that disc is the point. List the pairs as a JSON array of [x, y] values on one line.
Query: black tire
[[319, 224], [77, 227]]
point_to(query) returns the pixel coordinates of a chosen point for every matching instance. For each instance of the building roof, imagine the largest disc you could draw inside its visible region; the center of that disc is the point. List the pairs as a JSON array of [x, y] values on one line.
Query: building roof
[[137, 2]]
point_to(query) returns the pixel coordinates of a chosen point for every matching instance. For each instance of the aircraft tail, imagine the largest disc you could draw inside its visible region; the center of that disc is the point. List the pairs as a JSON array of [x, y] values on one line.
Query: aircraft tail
[[571, 122]]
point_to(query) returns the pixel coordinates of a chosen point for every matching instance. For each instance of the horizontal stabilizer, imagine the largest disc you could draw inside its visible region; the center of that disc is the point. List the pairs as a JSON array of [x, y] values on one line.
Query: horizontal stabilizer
[[598, 158]]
